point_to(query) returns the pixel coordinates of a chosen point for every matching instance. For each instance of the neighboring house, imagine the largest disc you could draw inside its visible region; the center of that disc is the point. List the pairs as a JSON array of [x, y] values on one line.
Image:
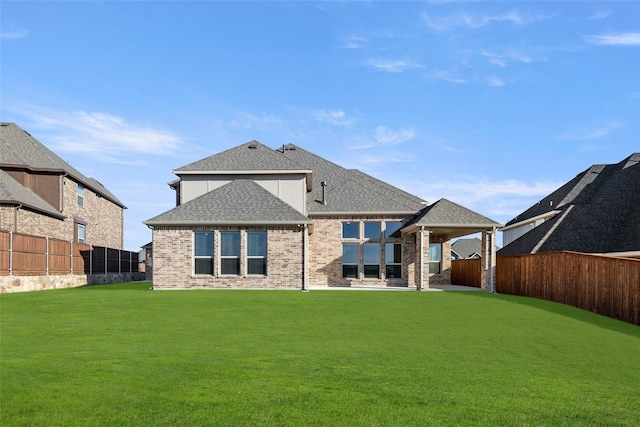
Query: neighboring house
[[41, 194], [466, 248], [596, 212], [256, 217]]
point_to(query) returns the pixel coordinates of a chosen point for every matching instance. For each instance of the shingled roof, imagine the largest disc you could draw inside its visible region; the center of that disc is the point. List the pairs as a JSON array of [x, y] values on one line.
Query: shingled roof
[[450, 219], [18, 149], [14, 193], [349, 190], [597, 212], [241, 202]]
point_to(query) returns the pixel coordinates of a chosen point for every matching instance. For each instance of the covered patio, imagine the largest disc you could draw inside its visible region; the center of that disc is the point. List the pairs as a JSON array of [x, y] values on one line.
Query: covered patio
[[439, 223]]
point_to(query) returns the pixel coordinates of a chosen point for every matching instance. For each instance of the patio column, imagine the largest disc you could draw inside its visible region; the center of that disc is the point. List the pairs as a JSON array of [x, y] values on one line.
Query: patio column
[[488, 272], [423, 247]]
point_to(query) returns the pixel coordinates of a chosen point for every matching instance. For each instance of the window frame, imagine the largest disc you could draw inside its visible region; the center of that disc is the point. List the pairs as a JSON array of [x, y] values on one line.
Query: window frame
[[80, 193], [433, 262], [82, 236], [368, 265], [197, 257], [350, 223], [378, 228], [250, 257], [223, 257], [350, 264], [393, 263]]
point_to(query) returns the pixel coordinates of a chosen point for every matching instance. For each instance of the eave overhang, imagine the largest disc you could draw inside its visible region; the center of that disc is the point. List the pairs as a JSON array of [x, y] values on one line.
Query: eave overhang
[[532, 219]]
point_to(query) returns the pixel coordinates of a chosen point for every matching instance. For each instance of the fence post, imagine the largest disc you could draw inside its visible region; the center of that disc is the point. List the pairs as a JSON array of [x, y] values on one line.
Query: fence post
[[71, 256], [46, 255], [119, 261], [91, 260], [130, 263], [10, 253]]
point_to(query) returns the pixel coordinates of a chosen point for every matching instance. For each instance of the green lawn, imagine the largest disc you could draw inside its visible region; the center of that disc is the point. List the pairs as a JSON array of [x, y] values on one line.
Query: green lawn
[[125, 355]]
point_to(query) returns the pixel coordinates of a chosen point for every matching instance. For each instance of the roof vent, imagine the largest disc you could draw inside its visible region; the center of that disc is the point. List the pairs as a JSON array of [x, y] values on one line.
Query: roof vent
[[253, 146]]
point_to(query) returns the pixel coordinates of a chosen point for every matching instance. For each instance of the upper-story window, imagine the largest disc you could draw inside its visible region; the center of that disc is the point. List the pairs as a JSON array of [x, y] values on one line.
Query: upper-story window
[[390, 227], [372, 230], [80, 195], [351, 230]]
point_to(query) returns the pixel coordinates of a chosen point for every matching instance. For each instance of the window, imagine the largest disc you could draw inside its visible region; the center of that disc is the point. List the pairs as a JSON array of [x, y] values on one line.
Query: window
[[80, 195], [393, 260], [372, 230], [257, 252], [81, 233], [203, 252], [391, 227], [371, 258], [350, 260], [350, 230], [435, 257], [230, 252]]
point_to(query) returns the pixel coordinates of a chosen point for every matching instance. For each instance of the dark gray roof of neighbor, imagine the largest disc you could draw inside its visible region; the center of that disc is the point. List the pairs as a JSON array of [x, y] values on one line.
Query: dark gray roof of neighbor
[[20, 150], [599, 212], [251, 156], [349, 190], [14, 193], [445, 213], [242, 201], [466, 248]]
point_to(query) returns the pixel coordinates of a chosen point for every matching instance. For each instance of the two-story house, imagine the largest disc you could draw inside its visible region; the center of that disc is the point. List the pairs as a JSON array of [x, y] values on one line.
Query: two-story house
[[256, 217], [41, 194]]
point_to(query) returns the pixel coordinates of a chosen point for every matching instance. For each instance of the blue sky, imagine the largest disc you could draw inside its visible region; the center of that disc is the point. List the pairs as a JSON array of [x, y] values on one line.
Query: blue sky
[[490, 104]]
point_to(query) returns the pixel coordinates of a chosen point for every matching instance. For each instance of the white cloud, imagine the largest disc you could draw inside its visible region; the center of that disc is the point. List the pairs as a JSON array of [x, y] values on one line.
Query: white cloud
[[335, 117], [386, 136], [474, 21], [619, 39], [103, 136], [10, 33], [505, 59], [601, 14], [494, 81], [589, 133], [353, 42], [448, 76], [393, 65]]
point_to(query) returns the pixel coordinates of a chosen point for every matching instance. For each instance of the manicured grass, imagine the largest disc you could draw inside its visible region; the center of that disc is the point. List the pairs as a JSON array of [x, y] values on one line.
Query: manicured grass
[[125, 355]]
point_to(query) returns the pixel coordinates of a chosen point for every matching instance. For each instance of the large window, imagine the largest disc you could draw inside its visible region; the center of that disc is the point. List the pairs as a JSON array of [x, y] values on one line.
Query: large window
[[372, 230], [350, 260], [230, 252], [371, 258], [393, 260], [80, 195], [390, 228], [203, 252], [257, 252], [350, 230], [435, 257]]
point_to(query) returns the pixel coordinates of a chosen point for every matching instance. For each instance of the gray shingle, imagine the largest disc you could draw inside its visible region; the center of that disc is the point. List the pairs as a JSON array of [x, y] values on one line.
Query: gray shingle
[[19, 149], [251, 156], [446, 213], [601, 215], [14, 193], [242, 201]]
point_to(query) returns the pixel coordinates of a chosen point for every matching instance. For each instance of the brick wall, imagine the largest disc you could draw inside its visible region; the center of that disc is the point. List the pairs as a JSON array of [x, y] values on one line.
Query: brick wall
[[173, 259]]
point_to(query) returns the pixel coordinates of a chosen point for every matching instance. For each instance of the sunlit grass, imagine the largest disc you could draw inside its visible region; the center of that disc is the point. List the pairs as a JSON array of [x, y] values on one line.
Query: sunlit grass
[[126, 355]]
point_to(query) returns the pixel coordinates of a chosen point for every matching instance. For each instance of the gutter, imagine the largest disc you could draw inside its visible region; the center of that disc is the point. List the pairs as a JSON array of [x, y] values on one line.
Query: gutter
[[217, 223], [532, 219]]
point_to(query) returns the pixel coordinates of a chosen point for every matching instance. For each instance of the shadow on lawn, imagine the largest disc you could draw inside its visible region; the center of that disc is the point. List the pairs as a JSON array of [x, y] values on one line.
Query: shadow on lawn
[[574, 313]]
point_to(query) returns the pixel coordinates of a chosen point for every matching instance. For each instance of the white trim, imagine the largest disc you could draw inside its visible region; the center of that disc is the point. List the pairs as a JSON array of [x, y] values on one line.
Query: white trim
[[530, 220]]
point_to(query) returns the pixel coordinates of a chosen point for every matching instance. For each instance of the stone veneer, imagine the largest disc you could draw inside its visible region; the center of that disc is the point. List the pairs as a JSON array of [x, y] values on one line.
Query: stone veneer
[[173, 259]]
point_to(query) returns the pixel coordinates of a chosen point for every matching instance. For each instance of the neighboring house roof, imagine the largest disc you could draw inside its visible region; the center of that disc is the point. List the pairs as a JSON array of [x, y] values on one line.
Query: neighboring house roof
[[14, 193], [596, 212], [451, 219], [18, 149], [242, 201], [467, 248], [349, 190]]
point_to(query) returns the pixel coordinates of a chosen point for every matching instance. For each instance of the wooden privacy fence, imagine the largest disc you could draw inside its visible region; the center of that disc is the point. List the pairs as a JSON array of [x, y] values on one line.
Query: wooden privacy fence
[[605, 285], [26, 255], [466, 272]]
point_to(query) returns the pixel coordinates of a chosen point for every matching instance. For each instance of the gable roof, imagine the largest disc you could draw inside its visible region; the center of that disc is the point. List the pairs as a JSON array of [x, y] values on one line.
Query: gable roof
[[350, 190], [466, 248], [14, 193], [450, 219], [599, 212], [249, 157], [18, 149], [241, 202]]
